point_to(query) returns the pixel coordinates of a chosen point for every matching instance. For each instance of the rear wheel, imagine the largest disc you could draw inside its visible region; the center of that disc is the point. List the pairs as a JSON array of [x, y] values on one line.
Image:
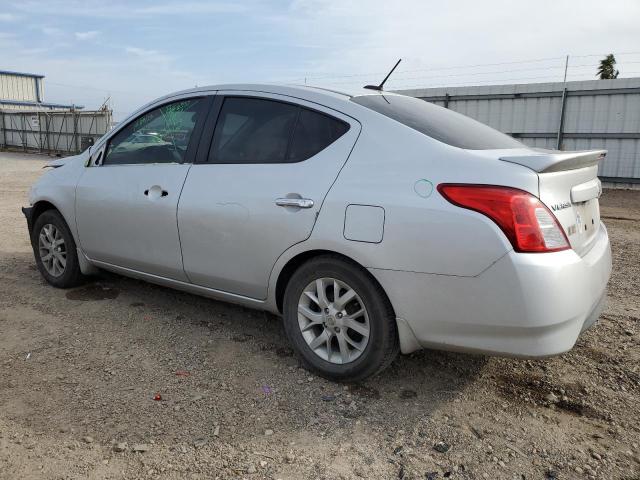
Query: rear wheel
[[55, 250], [339, 320]]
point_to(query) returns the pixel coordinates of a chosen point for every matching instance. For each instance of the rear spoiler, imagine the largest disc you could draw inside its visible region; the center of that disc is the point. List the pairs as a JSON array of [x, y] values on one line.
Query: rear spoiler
[[543, 161]]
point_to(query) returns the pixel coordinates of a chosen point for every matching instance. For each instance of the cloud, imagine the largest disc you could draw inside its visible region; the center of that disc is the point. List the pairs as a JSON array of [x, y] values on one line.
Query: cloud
[[332, 43], [115, 9], [353, 41], [8, 17], [51, 31], [188, 8], [141, 52], [87, 35], [151, 56]]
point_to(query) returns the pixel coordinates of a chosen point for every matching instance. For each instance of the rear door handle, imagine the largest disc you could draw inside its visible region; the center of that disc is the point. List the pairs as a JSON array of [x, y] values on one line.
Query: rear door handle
[[294, 202]]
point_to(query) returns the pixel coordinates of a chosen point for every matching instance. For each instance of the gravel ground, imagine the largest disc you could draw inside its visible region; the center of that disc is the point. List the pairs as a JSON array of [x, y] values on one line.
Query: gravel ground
[[123, 379]]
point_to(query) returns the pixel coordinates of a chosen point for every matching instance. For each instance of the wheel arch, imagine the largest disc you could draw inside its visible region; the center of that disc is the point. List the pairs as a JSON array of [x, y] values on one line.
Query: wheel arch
[[299, 259], [44, 205], [406, 336], [40, 207]]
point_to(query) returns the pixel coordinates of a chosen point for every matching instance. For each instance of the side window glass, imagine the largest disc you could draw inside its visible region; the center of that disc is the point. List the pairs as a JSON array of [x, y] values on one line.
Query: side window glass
[[251, 130], [159, 136], [314, 132]]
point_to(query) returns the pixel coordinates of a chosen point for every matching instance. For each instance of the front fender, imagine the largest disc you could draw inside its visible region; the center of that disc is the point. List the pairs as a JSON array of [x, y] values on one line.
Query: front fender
[[58, 187]]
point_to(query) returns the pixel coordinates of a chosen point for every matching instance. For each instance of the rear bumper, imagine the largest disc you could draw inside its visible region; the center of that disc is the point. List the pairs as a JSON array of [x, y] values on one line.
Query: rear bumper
[[526, 305]]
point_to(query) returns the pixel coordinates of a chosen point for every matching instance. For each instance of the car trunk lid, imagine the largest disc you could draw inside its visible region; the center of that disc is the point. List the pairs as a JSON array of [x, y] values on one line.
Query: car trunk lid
[[570, 188]]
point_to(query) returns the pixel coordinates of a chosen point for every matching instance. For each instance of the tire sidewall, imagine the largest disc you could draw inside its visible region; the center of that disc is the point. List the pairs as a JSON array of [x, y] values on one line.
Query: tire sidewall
[[377, 309], [71, 272]]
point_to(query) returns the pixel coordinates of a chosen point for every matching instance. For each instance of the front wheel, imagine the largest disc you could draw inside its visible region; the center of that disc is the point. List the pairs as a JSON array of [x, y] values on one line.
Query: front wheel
[[55, 250], [339, 320]]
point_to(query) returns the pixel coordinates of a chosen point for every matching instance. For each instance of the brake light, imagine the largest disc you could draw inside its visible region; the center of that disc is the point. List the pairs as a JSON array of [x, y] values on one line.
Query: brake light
[[524, 219]]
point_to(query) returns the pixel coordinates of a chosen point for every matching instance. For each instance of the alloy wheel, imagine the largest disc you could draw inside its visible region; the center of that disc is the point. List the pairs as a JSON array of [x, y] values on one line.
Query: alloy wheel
[[52, 250], [333, 320]]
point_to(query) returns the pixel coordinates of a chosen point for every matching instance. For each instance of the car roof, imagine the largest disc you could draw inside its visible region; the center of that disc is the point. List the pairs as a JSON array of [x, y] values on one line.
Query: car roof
[[308, 92], [335, 99]]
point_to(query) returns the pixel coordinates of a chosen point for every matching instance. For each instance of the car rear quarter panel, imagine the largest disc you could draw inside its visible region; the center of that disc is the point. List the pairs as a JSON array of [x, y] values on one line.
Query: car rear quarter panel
[[398, 169]]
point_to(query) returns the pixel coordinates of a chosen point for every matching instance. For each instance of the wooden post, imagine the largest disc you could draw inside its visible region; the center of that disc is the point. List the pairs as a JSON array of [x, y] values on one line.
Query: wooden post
[[4, 132], [24, 132]]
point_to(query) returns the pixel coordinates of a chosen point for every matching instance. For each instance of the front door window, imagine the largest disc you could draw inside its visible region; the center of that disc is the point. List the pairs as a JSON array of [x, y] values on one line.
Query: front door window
[[159, 136]]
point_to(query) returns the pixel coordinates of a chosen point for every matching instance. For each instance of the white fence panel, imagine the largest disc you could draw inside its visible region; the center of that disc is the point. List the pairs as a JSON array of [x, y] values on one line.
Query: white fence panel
[[590, 114], [53, 132]]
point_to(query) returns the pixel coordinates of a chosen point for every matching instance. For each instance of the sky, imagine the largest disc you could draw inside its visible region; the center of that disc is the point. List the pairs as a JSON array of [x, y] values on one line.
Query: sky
[[134, 51]]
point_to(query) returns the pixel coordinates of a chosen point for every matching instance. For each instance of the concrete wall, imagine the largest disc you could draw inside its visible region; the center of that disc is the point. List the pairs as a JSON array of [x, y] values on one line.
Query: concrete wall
[[596, 114]]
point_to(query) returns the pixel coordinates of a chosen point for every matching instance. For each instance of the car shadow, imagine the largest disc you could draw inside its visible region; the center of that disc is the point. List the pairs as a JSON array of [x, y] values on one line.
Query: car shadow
[[416, 383]]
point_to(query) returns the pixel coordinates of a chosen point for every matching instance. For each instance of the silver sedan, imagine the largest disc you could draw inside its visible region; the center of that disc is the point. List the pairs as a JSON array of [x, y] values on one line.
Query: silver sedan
[[372, 222]]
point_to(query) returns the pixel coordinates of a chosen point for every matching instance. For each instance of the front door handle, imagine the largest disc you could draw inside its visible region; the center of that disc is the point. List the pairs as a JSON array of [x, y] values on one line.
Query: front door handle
[[294, 202], [155, 192]]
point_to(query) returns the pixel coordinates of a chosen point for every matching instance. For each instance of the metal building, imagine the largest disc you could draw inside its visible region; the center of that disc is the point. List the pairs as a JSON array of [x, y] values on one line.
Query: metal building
[[25, 91], [29, 124], [582, 115]]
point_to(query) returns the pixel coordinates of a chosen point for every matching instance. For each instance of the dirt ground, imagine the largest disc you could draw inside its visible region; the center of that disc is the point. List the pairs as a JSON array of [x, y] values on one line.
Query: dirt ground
[[79, 371]]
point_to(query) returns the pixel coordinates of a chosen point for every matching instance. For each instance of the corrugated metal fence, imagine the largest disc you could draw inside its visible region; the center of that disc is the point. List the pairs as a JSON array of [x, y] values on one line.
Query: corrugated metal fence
[[583, 115], [52, 132]]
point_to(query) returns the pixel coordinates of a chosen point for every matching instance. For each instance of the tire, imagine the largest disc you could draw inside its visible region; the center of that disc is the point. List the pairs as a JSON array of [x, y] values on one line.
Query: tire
[[365, 355], [52, 268]]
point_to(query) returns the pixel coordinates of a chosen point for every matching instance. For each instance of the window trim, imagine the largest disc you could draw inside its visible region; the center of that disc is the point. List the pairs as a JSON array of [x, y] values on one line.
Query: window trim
[[206, 141], [194, 139]]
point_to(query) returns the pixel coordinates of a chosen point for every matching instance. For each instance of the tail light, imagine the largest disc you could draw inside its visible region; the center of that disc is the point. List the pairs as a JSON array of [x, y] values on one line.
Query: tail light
[[524, 219]]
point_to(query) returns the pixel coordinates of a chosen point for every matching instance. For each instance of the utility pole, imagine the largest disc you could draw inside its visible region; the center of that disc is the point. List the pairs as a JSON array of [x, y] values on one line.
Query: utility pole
[[566, 67]]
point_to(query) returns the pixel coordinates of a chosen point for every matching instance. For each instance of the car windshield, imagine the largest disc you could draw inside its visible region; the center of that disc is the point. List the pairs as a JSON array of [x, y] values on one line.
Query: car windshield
[[437, 122]]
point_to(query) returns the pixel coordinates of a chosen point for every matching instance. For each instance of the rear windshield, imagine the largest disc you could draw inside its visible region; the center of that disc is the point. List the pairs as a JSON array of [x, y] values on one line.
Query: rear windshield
[[437, 122]]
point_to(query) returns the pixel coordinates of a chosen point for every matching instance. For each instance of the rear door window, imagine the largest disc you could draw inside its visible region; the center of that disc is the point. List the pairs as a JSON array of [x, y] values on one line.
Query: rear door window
[[251, 130], [256, 130], [314, 132], [437, 122]]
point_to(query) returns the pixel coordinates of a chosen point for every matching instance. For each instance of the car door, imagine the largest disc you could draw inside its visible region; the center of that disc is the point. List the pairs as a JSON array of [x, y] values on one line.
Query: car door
[[126, 201], [258, 186]]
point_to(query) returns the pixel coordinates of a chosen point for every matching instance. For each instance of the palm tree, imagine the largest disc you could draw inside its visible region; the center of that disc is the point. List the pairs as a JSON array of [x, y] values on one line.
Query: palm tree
[[607, 68]]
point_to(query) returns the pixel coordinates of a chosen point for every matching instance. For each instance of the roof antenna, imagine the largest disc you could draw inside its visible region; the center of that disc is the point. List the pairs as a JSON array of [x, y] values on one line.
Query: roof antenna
[[379, 87]]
